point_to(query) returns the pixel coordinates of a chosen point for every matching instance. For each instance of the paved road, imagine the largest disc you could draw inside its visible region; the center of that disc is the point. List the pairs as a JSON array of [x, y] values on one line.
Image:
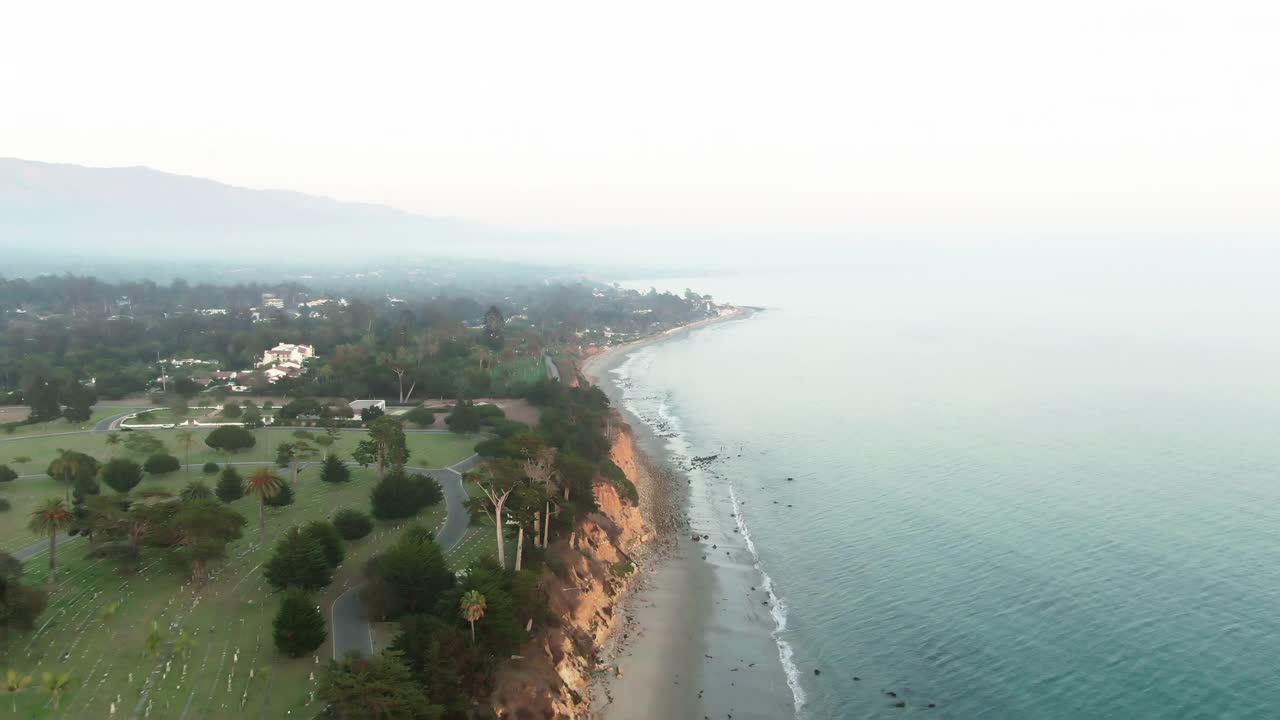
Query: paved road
[[348, 618], [39, 548], [108, 424], [553, 372]]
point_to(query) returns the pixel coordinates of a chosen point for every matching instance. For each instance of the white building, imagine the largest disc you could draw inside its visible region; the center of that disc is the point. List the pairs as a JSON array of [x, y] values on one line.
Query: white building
[[288, 353], [358, 405]]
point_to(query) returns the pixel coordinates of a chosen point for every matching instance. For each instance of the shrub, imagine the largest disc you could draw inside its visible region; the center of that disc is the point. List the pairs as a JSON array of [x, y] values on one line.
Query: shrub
[[327, 536], [370, 414], [232, 410], [143, 443], [20, 604], [210, 468], [421, 417], [196, 490], [399, 495], [282, 498], [464, 417], [558, 566], [298, 627], [4, 505], [154, 491], [333, 470], [505, 428], [230, 485], [161, 463], [352, 524], [230, 438], [121, 474], [626, 488], [21, 460], [491, 448], [7, 474], [298, 561]]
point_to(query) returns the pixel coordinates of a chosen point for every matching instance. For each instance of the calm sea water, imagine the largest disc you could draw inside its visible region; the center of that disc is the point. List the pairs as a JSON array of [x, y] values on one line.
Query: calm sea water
[[1049, 493]]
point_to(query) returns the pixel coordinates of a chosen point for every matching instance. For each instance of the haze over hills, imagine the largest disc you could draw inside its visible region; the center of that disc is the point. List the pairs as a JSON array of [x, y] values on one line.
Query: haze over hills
[[138, 212]]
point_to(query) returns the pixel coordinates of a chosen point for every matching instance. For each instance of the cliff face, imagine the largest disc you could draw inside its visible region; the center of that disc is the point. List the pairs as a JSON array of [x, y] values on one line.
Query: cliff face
[[587, 576]]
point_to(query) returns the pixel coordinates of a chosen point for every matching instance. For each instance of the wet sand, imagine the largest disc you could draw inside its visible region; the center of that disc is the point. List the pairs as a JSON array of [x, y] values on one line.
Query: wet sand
[[695, 640]]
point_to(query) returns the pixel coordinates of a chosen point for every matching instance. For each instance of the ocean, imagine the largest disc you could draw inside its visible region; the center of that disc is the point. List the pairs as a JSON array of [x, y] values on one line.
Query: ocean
[[1044, 491]]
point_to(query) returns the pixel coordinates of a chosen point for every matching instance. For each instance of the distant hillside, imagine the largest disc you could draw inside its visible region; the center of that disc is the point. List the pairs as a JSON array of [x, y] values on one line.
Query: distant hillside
[[50, 208]]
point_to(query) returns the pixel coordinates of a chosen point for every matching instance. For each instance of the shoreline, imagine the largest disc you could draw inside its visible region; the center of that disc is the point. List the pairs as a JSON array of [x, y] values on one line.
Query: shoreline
[[694, 638], [614, 355]]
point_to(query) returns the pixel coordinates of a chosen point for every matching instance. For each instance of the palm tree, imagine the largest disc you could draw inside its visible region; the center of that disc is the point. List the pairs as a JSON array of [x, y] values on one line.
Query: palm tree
[[113, 441], [264, 484], [52, 517], [64, 468], [16, 684], [186, 439], [472, 610], [56, 684]]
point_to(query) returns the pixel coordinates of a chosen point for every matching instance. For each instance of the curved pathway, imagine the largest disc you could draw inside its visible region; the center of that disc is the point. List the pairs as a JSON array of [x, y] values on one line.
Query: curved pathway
[[348, 617]]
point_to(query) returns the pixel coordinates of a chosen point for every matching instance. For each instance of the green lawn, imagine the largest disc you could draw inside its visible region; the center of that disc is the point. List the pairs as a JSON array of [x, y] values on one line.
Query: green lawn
[[426, 449], [233, 670], [61, 426], [517, 375]]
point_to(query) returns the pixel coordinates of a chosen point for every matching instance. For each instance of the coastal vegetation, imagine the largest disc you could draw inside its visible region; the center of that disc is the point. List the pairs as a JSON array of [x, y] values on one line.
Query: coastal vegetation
[[219, 552], [179, 555]]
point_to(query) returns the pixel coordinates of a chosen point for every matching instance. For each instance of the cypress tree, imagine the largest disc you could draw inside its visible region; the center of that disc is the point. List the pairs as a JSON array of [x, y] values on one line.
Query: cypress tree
[[230, 485], [298, 561], [299, 627], [333, 470], [327, 536]]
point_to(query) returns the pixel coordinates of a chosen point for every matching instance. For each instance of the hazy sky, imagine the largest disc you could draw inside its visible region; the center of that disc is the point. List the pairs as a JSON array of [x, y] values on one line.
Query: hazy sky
[[1090, 120]]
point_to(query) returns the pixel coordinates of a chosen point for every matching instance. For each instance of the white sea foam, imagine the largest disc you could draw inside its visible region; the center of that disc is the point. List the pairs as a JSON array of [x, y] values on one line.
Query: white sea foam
[[777, 608], [653, 409]]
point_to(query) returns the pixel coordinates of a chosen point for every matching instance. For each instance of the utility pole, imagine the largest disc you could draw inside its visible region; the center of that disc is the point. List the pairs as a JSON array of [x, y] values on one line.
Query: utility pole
[[164, 387]]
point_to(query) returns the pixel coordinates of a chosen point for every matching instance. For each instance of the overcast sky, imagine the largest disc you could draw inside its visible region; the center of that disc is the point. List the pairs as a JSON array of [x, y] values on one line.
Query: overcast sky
[[720, 121]]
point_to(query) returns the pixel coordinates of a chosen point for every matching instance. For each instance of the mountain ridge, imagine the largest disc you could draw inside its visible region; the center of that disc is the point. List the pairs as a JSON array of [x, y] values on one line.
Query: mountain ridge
[[140, 210]]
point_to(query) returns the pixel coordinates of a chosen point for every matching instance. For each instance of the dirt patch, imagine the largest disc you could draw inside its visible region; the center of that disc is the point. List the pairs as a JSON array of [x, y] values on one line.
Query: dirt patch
[[517, 409], [14, 413]]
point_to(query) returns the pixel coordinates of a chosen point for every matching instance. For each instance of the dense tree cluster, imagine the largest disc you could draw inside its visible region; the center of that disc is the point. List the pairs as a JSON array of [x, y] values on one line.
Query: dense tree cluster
[[402, 495], [66, 340]]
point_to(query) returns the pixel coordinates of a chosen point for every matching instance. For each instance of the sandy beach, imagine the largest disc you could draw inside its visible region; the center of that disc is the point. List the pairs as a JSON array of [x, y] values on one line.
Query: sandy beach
[[695, 640]]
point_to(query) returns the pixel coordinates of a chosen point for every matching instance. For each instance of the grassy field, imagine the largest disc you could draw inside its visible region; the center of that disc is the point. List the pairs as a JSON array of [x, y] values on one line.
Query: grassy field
[[426, 449], [233, 670], [62, 426], [508, 378]]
